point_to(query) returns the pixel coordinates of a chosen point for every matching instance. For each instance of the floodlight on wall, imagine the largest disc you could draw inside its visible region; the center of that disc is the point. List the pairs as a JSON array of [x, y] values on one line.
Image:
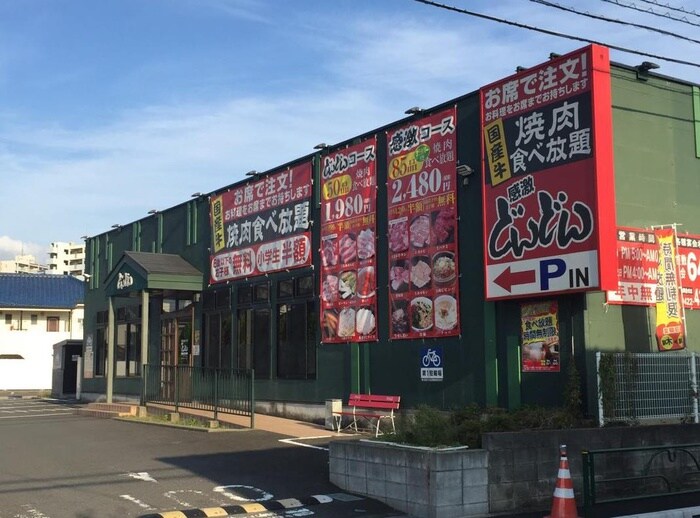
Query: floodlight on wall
[[464, 172], [321, 146], [153, 211], [554, 55], [644, 68], [252, 173], [520, 69], [117, 226], [414, 110], [195, 195], [84, 238]]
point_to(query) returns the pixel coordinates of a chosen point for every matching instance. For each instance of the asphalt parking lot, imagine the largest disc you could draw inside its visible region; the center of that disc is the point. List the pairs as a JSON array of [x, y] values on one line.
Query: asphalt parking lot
[[55, 464]]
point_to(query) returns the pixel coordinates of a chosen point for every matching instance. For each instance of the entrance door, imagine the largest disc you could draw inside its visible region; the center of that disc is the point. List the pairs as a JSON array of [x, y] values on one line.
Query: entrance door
[[175, 350]]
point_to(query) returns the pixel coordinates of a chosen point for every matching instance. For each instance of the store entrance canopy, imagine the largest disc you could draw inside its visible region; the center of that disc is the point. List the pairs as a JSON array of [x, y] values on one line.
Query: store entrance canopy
[[138, 271]]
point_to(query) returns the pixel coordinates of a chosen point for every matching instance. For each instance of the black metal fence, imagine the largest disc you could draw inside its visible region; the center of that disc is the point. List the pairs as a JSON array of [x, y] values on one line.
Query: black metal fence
[[228, 391], [626, 474]]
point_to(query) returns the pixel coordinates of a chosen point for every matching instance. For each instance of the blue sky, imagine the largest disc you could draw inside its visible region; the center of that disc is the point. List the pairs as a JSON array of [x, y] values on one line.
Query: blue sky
[[110, 108]]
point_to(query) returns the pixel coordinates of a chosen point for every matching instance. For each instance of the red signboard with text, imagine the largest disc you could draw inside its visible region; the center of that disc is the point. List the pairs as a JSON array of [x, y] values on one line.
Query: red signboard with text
[[548, 191], [348, 244], [422, 206], [262, 226], [637, 268]]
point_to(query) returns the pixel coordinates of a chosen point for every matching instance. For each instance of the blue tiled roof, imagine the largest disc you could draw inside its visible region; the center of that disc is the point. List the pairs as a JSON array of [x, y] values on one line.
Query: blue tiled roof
[[36, 290]]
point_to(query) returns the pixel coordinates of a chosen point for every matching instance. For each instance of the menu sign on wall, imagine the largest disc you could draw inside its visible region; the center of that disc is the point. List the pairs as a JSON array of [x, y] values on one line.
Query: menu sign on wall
[[348, 244], [262, 226], [548, 190], [422, 206], [539, 329], [637, 268]]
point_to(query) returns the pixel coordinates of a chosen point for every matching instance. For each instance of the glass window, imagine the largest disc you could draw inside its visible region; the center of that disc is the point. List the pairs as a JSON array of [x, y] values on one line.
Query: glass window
[[245, 294], [127, 350], [286, 288], [262, 292], [100, 351], [305, 286], [253, 347], [296, 341], [35, 319], [8, 318]]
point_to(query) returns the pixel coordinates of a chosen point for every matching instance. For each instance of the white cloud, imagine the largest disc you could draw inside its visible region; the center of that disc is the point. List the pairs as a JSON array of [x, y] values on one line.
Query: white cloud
[[9, 248]]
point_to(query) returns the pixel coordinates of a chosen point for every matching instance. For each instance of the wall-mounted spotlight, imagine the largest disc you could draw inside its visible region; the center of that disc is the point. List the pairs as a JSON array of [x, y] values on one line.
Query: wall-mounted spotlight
[[321, 146], [464, 172], [520, 69], [116, 225], [644, 68], [414, 110], [554, 55], [252, 173], [84, 238], [195, 195], [153, 211]]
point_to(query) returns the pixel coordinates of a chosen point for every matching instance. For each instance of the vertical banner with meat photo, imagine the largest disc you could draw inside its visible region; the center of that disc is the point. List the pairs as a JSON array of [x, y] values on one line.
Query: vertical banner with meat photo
[[422, 206], [670, 319], [348, 244], [540, 336], [262, 226], [548, 188]]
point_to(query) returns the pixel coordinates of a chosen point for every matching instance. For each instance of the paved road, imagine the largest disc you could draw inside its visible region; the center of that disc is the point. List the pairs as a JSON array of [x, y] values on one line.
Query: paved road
[[55, 464]]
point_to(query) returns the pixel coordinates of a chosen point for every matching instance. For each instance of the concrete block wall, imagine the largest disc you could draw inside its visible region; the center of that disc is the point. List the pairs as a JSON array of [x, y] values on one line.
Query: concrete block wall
[[422, 482]]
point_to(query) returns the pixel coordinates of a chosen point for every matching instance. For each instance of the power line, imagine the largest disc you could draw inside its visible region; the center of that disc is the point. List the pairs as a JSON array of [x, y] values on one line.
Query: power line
[[678, 9], [650, 10], [612, 20], [557, 34]]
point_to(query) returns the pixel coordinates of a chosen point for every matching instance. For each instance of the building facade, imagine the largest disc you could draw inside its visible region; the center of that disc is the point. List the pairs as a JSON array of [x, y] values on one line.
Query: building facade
[[67, 259], [36, 312], [22, 264], [421, 258]]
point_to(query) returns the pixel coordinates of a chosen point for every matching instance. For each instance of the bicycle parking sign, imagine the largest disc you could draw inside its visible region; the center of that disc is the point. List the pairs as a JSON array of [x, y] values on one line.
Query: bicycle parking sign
[[431, 364]]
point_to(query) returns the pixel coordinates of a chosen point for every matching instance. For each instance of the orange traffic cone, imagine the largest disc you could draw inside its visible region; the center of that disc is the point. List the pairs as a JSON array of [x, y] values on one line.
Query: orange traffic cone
[[564, 503]]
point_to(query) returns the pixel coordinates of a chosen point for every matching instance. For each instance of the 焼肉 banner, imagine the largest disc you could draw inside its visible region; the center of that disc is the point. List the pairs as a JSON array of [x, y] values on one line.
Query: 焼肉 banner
[[539, 331], [548, 191], [262, 226], [670, 324], [422, 210], [348, 244], [637, 268]]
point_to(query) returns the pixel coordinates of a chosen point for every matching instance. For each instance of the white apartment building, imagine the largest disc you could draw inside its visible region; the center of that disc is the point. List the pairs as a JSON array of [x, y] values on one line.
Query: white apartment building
[[22, 264], [67, 258]]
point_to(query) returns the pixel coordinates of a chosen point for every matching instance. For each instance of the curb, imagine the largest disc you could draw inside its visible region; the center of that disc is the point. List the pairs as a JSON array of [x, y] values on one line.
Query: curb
[[233, 510], [167, 424]]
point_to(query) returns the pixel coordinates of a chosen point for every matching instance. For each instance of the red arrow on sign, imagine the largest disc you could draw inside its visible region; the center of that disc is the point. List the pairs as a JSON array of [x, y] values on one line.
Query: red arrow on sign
[[506, 279]]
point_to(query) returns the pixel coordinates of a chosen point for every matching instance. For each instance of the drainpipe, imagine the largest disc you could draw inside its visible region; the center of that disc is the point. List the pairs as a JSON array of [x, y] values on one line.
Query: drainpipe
[[144, 327], [110, 350]]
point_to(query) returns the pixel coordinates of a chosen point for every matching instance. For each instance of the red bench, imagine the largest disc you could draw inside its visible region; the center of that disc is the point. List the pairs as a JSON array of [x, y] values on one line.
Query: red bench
[[370, 407]]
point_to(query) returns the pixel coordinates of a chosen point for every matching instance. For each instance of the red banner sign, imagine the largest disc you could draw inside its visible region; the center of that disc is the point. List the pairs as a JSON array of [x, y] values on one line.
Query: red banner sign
[[548, 191], [348, 245], [262, 226], [637, 268], [422, 205]]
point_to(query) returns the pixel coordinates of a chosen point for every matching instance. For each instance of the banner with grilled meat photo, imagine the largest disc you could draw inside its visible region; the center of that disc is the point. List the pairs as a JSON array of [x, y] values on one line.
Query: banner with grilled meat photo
[[422, 215], [348, 244]]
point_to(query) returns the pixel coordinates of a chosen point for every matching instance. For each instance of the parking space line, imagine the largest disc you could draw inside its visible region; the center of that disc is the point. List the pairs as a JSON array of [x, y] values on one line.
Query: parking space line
[[36, 415]]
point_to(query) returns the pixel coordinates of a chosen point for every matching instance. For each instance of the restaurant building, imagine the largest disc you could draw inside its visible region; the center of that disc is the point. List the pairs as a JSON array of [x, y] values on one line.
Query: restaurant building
[[467, 253]]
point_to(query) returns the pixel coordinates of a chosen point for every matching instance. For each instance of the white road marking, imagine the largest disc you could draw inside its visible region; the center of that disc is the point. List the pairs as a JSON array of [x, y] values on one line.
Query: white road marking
[[173, 495], [33, 513], [142, 475], [295, 443], [34, 415], [238, 498], [138, 502]]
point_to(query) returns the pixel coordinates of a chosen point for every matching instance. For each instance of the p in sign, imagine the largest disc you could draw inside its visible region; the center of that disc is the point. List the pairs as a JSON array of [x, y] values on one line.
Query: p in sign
[[567, 272], [431, 364]]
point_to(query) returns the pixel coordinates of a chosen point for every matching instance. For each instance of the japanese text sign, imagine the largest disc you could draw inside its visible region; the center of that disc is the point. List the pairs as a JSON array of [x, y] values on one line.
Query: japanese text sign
[[348, 244], [637, 268], [540, 336], [670, 324], [548, 189], [422, 206], [262, 226]]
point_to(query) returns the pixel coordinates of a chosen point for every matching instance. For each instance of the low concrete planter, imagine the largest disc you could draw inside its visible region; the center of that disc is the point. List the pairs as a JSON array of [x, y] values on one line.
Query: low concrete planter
[[423, 482]]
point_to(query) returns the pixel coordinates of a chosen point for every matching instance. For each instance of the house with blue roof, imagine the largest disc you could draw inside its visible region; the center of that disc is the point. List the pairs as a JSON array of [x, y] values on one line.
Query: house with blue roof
[[36, 312]]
